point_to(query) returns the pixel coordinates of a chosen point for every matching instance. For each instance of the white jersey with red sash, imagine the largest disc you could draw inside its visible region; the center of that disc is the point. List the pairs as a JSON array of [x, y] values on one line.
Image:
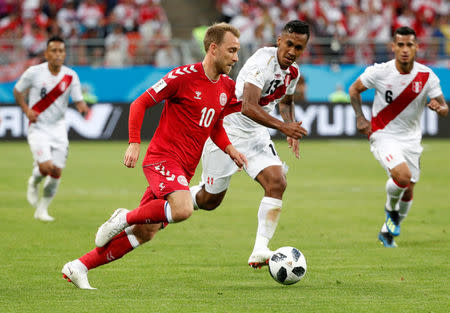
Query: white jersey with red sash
[[399, 98], [48, 93], [262, 70]]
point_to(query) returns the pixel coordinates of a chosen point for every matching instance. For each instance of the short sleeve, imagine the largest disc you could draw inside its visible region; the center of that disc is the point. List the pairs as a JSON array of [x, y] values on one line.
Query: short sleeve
[[434, 86], [25, 81], [165, 88], [255, 75], [76, 94], [290, 90], [368, 78]]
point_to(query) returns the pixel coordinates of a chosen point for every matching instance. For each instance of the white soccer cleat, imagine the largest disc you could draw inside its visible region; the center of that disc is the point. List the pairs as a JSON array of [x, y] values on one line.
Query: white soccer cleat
[[32, 192], [43, 216], [116, 223], [259, 258], [75, 275]]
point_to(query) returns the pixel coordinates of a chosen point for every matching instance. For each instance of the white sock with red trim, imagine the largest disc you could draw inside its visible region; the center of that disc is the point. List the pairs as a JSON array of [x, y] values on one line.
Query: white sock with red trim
[[394, 192]]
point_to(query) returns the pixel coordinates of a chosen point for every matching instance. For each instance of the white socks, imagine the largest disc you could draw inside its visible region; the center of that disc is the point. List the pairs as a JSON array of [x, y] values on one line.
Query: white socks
[[50, 186], [403, 209], [394, 193], [194, 190], [268, 216]]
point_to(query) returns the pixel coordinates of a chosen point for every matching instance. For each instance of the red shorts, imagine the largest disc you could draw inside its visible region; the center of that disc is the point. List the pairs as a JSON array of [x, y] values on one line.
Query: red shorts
[[163, 178]]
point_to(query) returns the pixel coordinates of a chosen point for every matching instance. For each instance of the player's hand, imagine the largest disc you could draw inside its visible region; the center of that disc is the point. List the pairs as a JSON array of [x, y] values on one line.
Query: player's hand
[[82, 108], [439, 108], [363, 126], [132, 154], [294, 145], [32, 115], [236, 156], [293, 130]]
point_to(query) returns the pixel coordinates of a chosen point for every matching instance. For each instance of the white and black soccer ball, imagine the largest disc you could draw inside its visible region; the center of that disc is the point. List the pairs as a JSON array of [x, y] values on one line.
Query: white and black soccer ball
[[287, 265]]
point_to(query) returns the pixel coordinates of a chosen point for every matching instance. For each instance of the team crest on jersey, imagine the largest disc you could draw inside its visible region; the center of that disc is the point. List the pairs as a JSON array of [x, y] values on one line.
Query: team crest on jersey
[[223, 99], [160, 85], [182, 180], [417, 87], [63, 86]]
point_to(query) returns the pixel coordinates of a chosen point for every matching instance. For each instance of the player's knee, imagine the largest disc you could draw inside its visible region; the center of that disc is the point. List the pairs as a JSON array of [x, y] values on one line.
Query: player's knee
[[182, 213], [277, 186], [45, 168], [145, 232], [403, 178], [210, 203]]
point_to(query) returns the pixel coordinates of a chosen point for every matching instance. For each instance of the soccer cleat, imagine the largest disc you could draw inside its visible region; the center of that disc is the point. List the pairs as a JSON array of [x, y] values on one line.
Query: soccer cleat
[[393, 222], [116, 223], [43, 216], [259, 258], [32, 192], [387, 239], [76, 276]]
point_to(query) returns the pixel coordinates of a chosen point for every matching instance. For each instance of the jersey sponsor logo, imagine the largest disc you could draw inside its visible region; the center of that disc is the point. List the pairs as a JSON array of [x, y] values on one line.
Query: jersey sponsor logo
[[198, 95], [182, 180], [160, 85], [417, 87], [223, 99], [394, 108]]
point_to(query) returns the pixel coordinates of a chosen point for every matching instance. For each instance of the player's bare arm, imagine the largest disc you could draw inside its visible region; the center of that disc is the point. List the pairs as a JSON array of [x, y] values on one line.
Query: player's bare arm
[[20, 99], [439, 105], [253, 110], [287, 111], [362, 124], [82, 107]]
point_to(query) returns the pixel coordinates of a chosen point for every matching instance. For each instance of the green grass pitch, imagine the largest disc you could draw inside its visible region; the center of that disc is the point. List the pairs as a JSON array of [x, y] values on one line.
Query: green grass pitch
[[332, 212]]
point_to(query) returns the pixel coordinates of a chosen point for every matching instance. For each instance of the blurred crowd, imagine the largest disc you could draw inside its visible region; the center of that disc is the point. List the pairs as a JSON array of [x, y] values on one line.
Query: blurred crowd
[[117, 33], [112, 32], [350, 31]]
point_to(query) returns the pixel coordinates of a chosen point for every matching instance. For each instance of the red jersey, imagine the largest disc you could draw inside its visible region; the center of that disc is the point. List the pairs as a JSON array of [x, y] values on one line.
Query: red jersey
[[192, 113]]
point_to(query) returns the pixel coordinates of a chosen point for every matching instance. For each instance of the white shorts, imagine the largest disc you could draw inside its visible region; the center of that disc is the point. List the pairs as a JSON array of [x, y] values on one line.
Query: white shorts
[[49, 144], [218, 167], [390, 152]]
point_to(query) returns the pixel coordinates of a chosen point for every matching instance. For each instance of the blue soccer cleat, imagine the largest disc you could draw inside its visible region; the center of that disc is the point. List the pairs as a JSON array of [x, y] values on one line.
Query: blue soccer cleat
[[387, 240], [393, 222]]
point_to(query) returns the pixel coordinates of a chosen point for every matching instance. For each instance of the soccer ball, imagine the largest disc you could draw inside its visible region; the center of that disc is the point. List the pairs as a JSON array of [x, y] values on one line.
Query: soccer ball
[[287, 265]]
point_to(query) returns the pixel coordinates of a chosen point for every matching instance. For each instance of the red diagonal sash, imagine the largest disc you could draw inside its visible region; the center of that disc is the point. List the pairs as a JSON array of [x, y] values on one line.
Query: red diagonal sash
[[394, 108], [59, 89]]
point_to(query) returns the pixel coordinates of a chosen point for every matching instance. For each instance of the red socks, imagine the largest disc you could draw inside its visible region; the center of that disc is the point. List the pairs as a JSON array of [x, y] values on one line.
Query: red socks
[[115, 249], [149, 213]]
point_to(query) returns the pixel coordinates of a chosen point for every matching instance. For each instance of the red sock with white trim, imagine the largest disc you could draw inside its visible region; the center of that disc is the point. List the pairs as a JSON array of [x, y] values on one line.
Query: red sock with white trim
[[114, 250], [155, 211]]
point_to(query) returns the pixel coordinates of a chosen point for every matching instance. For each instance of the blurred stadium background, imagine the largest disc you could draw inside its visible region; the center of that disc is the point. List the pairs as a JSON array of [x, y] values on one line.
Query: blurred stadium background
[[121, 47]]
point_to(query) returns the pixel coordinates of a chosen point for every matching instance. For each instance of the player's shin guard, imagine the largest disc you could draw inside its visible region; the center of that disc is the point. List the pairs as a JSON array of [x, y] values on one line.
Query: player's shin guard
[[404, 207], [155, 211], [394, 192], [114, 250], [268, 216]]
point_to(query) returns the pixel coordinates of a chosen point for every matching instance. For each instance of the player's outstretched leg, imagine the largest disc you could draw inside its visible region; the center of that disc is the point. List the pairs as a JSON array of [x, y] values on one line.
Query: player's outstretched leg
[[33, 186], [50, 187], [76, 273], [268, 216]]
